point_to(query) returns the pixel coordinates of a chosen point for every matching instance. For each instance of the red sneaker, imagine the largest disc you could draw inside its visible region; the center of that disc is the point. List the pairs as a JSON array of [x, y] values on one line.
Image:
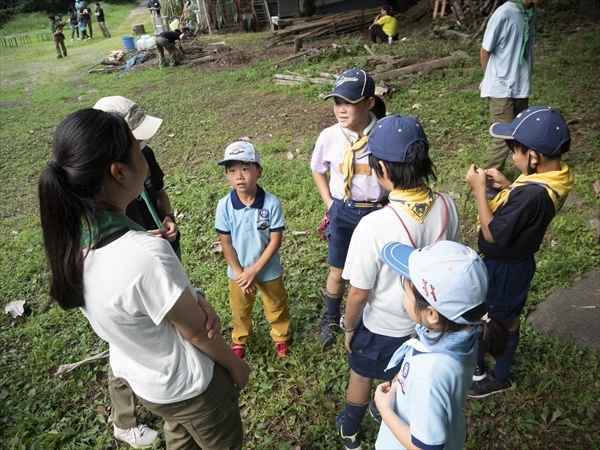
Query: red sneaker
[[239, 349], [283, 349]]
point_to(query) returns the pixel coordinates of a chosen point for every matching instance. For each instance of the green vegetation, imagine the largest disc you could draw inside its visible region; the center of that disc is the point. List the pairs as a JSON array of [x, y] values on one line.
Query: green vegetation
[[296, 400]]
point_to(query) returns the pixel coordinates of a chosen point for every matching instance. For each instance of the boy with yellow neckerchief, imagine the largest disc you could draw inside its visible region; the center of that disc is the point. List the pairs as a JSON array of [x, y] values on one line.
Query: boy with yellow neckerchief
[[351, 191], [375, 321], [513, 224]]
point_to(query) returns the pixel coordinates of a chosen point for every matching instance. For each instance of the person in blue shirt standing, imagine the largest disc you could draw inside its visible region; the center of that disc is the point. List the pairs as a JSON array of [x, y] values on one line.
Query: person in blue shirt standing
[[445, 286], [507, 61], [250, 225]]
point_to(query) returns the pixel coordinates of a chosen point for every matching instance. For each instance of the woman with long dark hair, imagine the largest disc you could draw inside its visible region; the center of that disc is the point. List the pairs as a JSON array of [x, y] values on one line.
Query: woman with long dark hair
[[164, 338]]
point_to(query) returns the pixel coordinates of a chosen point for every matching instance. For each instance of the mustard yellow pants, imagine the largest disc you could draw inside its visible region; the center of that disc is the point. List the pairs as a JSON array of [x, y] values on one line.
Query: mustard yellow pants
[[275, 307]]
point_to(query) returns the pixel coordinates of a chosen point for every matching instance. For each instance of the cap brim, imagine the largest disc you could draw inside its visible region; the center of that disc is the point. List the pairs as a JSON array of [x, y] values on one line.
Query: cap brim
[[354, 102], [147, 128], [502, 131], [395, 255]]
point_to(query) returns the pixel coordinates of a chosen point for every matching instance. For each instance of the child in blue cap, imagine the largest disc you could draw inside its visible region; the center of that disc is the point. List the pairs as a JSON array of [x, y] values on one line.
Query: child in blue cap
[[352, 190], [375, 322], [513, 224], [250, 226], [444, 292]]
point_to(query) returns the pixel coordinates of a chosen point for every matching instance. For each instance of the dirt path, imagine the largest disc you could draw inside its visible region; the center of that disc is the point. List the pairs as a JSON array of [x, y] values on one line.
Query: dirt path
[[140, 10]]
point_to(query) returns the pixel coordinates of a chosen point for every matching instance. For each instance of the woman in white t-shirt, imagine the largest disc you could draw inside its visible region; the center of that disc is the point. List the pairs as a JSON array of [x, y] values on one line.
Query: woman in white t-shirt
[[164, 338]]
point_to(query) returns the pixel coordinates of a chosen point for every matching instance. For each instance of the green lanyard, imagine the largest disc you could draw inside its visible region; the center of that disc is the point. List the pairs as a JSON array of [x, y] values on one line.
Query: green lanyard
[[152, 210]]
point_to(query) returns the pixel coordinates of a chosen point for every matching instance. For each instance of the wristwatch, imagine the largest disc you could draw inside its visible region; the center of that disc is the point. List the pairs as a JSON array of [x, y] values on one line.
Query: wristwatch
[[342, 324], [171, 217]]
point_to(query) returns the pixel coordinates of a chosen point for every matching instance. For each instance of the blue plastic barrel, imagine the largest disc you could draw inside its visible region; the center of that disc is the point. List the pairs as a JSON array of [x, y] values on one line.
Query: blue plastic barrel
[[128, 43]]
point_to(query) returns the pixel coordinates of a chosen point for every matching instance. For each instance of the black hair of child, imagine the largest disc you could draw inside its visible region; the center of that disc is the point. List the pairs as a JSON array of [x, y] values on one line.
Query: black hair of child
[[493, 332], [408, 175], [228, 163], [379, 108], [515, 145]]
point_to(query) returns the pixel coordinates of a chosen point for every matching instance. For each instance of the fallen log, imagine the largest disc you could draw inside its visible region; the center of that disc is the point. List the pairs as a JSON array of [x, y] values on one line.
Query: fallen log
[[300, 79], [289, 58], [429, 65], [461, 71], [201, 59], [325, 79], [107, 70], [451, 33]]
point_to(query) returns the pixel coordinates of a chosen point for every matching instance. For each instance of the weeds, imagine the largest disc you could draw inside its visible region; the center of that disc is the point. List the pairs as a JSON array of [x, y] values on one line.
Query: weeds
[[297, 399]]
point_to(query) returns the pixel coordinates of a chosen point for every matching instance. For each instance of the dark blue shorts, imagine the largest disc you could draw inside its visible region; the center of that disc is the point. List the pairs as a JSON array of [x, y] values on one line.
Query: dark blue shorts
[[342, 222], [371, 353], [508, 288]]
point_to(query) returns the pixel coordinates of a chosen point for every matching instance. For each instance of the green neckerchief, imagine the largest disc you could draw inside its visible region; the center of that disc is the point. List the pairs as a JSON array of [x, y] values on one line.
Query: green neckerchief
[[527, 15], [107, 223], [150, 207]]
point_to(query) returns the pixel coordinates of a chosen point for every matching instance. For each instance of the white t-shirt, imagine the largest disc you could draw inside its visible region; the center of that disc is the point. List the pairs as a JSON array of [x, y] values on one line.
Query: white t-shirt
[[129, 287], [385, 314], [504, 76]]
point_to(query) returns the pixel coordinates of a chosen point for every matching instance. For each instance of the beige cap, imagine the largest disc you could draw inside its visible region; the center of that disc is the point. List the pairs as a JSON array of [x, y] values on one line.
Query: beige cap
[[142, 125]]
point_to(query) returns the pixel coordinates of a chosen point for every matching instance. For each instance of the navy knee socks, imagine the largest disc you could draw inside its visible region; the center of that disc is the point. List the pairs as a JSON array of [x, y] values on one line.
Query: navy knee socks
[[503, 364], [333, 303], [353, 416]]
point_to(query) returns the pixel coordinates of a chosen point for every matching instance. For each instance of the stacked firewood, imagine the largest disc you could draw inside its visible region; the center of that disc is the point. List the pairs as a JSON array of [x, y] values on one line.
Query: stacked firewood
[[325, 25]]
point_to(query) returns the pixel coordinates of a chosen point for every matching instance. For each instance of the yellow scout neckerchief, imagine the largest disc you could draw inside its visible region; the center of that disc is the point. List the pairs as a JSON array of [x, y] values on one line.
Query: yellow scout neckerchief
[[353, 143], [558, 183], [415, 202]]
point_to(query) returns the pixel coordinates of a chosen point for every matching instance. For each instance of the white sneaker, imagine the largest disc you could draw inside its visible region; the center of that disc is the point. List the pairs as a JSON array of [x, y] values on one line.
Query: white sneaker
[[138, 437]]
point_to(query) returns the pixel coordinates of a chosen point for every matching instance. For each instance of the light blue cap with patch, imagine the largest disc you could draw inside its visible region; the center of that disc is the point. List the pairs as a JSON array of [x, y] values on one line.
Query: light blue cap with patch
[[449, 275], [240, 151]]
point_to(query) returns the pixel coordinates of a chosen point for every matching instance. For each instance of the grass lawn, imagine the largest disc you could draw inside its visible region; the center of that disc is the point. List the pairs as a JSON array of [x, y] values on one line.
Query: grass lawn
[[206, 107]]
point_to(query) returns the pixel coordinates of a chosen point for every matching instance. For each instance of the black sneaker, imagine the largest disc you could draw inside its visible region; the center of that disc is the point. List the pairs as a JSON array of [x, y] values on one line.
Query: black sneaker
[[489, 385], [329, 327], [350, 442], [480, 372], [374, 412]]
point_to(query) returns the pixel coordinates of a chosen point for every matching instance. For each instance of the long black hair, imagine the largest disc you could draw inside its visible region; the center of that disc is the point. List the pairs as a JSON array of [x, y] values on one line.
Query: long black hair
[[84, 146], [493, 333]]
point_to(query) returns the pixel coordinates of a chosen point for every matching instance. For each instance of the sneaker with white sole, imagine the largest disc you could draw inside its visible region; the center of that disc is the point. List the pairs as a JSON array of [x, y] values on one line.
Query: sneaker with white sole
[[141, 436], [488, 386], [328, 328]]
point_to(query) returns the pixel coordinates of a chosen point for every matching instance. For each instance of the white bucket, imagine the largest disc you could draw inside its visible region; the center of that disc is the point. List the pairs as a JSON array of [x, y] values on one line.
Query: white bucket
[[145, 42]]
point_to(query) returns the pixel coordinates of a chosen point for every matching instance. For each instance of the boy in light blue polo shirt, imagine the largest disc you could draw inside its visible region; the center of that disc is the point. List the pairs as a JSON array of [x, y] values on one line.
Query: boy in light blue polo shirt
[[250, 226]]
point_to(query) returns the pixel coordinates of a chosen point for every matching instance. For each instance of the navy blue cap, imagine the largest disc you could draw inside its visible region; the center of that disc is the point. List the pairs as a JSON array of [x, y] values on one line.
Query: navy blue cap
[[354, 86], [540, 128], [392, 136]]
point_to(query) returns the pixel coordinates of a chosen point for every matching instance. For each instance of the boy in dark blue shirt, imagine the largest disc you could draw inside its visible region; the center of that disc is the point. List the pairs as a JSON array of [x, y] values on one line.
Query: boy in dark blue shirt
[[513, 224]]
